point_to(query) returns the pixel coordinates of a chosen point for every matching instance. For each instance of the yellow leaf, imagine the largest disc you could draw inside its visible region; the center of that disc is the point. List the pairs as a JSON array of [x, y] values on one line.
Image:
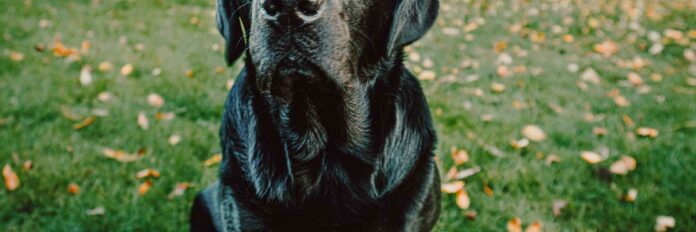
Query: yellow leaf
[[460, 156], [606, 48], [127, 69], [120, 155], [179, 190], [148, 172], [85, 123], [534, 133], [426, 75], [155, 100], [514, 225], [623, 166], [215, 159], [664, 223], [534, 227], [463, 201], [16, 56], [144, 187], [105, 66], [73, 188], [647, 132], [497, 88], [11, 178], [631, 195], [452, 187], [591, 157]]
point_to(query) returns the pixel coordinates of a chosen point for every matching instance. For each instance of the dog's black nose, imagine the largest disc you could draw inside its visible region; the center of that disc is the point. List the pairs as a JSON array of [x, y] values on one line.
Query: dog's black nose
[[292, 12]]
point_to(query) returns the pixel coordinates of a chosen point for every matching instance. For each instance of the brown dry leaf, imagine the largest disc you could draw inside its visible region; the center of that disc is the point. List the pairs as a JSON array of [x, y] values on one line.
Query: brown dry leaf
[[551, 158], [215, 159], [487, 190], [590, 75], [148, 172], [164, 116], [427, 75], [127, 69], [534, 227], [174, 139], [628, 121], [189, 73], [463, 201], [452, 187], [460, 156], [634, 79], [73, 188], [621, 101], [591, 157], [155, 100], [105, 66], [84, 123], [219, 70], [143, 122], [27, 165], [497, 87], [647, 132], [463, 174], [519, 144], [514, 225], [631, 195], [664, 223], [84, 47], [534, 133], [144, 187], [623, 166], [470, 214], [60, 50], [16, 56], [11, 178], [502, 71], [120, 155], [606, 48], [558, 206], [179, 190], [599, 131]]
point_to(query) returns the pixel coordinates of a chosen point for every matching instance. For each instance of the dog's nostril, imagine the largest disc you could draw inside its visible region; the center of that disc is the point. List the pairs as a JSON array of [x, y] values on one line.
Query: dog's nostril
[[272, 7], [309, 7]]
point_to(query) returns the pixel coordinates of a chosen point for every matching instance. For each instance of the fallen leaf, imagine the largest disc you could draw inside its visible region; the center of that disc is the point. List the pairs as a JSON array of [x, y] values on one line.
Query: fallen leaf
[[148, 172], [534, 227], [143, 122], [426, 75], [127, 69], [460, 156], [463, 201], [590, 75], [497, 87], [174, 139], [104, 96], [144, 187], [623, 166], [599, 131], [84, 123], [105, 66], [179, 190], [11, 178], [73, 188], [120, 155], [551, 158], [647, 132], [534, 133], [452, 187], [514, 225], [664, 223], [621, 101], [591, 157], [189, 73], [16, 56], [164, 116], [631, 195], [27, 165], [95, 211], [155, 100], [519, 144], [606, 48], [215, 159], [634, 79], [463, 174], [470, 214], [487, 190], [558, 206]]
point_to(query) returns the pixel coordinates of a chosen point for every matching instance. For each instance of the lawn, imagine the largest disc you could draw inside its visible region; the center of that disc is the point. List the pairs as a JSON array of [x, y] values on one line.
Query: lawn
[[93, 92]]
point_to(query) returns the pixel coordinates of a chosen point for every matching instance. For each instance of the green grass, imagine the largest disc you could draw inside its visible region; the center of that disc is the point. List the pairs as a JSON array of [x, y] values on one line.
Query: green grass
[[39, 94]]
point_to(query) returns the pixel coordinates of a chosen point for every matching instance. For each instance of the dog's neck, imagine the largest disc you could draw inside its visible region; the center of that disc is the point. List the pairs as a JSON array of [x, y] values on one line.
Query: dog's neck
[[329, 129]]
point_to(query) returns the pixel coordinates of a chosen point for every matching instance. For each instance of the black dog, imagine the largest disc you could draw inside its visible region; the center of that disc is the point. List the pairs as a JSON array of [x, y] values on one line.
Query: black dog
[[324, 130]]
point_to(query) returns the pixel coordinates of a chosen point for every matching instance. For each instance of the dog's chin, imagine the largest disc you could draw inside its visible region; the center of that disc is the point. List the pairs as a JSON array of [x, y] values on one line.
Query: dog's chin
[[290, 82]]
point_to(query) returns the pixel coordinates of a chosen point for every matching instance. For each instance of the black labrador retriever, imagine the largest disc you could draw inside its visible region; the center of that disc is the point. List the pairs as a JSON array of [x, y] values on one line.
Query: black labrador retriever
[[324, 129]]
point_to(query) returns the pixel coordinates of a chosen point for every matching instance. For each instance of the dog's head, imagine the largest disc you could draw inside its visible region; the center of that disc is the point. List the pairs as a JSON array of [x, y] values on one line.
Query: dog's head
[[308, 40]]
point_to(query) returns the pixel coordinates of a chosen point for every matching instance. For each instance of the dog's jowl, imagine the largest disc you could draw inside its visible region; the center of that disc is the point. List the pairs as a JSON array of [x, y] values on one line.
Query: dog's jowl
[[324, 129]]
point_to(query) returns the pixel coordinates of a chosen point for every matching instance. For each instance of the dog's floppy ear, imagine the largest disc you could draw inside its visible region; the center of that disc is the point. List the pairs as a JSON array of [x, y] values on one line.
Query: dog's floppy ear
[[412, 19], [232, 22]]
